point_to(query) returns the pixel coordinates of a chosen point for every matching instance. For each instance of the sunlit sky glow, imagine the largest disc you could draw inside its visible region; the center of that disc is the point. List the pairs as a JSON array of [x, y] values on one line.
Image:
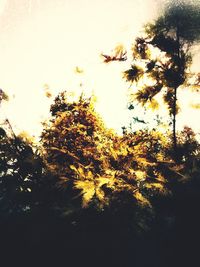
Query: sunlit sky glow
[[43, 41]]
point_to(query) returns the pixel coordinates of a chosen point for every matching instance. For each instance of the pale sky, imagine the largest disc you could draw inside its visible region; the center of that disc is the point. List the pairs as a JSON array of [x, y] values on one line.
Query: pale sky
[[42, 41]]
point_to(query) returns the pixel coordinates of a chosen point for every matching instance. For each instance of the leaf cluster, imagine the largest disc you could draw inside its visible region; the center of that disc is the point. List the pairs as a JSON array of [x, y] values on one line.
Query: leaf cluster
[[96, 164]]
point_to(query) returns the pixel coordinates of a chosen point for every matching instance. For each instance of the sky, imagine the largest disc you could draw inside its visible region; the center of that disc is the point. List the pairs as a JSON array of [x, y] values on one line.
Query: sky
[[43, 41]]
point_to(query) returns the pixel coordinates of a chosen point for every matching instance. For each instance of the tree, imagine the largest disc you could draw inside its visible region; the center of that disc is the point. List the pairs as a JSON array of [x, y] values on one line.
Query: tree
[[92, 161], [162, 57]]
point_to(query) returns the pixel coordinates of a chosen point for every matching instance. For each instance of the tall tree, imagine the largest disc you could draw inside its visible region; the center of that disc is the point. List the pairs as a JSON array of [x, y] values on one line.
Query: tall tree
[[162, 56]]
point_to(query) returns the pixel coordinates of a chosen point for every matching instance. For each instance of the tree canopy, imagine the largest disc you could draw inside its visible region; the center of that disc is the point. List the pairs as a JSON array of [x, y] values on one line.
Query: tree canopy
[[161, 59], [95, 160]]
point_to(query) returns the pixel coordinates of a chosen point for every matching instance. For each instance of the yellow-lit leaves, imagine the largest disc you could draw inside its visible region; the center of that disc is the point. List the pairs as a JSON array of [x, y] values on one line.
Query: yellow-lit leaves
[[141, 199], [92, 188], [195, 105], [87, 190], [82, 172], [158, 187], [140, 175], [87, 156], [78, 70], [153, 104]]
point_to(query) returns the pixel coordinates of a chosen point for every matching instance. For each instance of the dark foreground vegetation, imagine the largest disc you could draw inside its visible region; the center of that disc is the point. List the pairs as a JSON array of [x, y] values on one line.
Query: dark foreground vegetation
[[89, 197], [85, 196]]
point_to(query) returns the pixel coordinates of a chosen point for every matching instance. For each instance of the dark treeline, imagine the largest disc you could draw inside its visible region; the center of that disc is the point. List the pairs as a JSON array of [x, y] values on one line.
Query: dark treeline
[[87, 196]]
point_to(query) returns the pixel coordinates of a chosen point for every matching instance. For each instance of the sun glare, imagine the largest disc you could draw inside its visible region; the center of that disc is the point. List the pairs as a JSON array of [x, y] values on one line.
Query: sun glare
[[58, 44]]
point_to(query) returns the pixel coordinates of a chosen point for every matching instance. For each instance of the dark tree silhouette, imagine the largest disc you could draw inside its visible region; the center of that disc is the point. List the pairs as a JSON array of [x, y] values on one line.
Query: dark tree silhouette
[[174, 33], [162, 57], [20, 173]]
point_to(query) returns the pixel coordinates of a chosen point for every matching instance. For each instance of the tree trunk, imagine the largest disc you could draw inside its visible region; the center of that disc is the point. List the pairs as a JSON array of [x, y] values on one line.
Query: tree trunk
[[175, 98], [174, 123]]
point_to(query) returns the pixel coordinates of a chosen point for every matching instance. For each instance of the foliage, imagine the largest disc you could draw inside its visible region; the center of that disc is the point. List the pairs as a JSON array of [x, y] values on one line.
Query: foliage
[[109, 188], [119, 54], [161, 58], [188, 146], [96, 161], [3, 96], [182, 16], [20, 173], [162, 61]]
